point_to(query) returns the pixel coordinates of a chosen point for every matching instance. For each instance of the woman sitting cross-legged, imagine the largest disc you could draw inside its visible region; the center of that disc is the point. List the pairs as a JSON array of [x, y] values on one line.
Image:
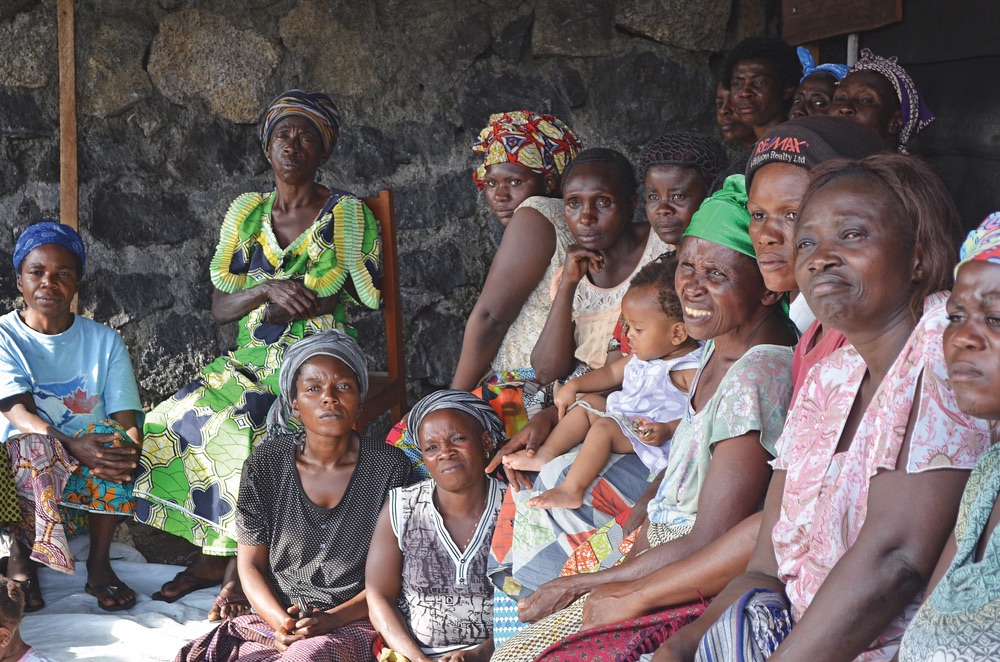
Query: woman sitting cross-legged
[[69, 402], [428, 593], [875, 441], [308, 504]]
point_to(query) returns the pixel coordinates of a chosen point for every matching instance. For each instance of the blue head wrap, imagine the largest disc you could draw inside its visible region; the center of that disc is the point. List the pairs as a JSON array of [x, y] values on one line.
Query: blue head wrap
[[809, 66], [48, 232]]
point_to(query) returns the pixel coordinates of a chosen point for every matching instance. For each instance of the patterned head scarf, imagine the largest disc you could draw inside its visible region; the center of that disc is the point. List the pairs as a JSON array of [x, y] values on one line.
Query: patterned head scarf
[[540, 143], [684, 148], [337, 344], [723, 218], [462, 401], [983, 243], [809, 65], [49, 232], [916, 114], [316, 107]]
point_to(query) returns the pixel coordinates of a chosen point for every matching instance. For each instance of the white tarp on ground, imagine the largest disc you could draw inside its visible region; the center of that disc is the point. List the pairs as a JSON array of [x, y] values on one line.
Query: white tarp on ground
[[73, 627]]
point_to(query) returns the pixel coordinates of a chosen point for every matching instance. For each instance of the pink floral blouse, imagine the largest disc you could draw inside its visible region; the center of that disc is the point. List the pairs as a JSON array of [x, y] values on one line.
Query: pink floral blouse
[[826, 493]]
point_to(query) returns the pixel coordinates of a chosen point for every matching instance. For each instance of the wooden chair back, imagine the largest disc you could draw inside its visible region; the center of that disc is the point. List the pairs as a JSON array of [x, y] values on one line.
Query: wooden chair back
[[387, 390]]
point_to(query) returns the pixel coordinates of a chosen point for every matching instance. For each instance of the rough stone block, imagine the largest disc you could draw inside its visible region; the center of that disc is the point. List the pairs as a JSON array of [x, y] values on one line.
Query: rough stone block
[[695, 26], [363, 152], [431, 204], [20, 117], [9, 8], [425, 142], [512, 42], [209, 148], [490, 91], [436, 267], [28, 56], [656, 95], [201, 55], [337, 54], [110, 73], [122, 298], [176, 349], [429, 334], [128, 218], [577, 28]]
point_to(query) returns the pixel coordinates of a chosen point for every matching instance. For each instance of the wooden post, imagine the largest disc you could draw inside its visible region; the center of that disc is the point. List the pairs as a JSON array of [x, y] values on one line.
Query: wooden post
[[69, 199], [68, 182]]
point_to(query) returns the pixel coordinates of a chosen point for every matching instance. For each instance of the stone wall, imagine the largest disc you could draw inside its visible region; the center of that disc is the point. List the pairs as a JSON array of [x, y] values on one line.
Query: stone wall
[[169, 92]]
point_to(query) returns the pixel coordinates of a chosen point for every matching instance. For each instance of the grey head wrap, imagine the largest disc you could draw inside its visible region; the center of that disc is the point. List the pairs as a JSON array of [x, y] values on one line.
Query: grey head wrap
[[337, 344], [462, 401]]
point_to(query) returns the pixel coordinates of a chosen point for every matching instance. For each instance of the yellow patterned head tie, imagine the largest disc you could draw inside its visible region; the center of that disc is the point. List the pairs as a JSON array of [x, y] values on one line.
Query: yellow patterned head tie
[[316, 107], [541, 143]]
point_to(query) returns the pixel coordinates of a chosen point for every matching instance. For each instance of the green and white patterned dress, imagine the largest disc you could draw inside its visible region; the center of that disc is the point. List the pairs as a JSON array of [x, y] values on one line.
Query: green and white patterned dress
[[196, 442]]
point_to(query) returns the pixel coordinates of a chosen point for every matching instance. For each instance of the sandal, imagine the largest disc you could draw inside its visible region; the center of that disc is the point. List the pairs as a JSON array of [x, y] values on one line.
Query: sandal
[[194, 583], [33, 600], [222, 602], [104, 592]]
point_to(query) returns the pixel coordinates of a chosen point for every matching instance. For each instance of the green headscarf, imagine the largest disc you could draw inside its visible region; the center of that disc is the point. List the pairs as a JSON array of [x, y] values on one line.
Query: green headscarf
[[723, 218]]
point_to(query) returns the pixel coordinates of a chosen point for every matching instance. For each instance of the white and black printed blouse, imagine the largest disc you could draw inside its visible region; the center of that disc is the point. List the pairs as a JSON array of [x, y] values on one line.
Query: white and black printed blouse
[[445, 595]]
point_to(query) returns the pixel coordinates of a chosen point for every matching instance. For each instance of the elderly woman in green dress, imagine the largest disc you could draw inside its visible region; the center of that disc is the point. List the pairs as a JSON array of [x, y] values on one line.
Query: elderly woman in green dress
[[287, 263]]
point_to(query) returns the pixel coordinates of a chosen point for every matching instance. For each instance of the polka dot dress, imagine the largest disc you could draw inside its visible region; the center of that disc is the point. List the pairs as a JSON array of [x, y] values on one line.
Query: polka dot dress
[[317, 555]]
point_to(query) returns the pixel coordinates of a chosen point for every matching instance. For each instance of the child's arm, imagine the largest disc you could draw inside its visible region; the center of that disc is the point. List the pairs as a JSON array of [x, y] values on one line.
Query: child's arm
[[606, 378], [657, 434]]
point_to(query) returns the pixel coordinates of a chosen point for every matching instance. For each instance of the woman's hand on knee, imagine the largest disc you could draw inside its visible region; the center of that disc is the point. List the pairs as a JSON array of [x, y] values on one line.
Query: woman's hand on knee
[[611, 603], [115, 463], [548, 599]]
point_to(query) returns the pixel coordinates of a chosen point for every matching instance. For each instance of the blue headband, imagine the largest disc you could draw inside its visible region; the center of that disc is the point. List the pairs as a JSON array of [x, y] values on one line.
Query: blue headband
[[48, 232], [838, 71]]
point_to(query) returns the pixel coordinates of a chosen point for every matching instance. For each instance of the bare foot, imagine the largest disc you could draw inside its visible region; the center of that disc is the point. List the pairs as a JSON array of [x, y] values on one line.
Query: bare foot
[[231, 602], [558, 497], [521, 461]]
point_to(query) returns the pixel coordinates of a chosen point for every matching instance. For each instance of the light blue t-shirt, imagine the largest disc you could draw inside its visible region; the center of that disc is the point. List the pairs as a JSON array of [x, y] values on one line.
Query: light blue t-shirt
[[77, 377]]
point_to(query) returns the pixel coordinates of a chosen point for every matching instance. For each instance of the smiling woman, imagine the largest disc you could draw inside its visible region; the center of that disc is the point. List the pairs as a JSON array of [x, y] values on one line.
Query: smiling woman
[[717, 469]]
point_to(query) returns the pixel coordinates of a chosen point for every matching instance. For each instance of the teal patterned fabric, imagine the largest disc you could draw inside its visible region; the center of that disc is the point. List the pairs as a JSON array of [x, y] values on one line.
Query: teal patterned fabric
[[961, 618]]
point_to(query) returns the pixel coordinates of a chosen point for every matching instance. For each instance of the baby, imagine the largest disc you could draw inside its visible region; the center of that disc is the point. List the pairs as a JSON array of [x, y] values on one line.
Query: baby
[[639, 418], [12, 646]]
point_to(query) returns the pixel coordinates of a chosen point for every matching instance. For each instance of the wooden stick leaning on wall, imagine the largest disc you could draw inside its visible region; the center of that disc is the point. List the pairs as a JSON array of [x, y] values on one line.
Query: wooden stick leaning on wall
[[68, 182]]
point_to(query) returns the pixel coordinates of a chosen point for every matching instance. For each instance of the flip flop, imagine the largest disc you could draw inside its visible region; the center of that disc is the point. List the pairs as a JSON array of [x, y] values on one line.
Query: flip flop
[[196, 584], [110, 591]]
